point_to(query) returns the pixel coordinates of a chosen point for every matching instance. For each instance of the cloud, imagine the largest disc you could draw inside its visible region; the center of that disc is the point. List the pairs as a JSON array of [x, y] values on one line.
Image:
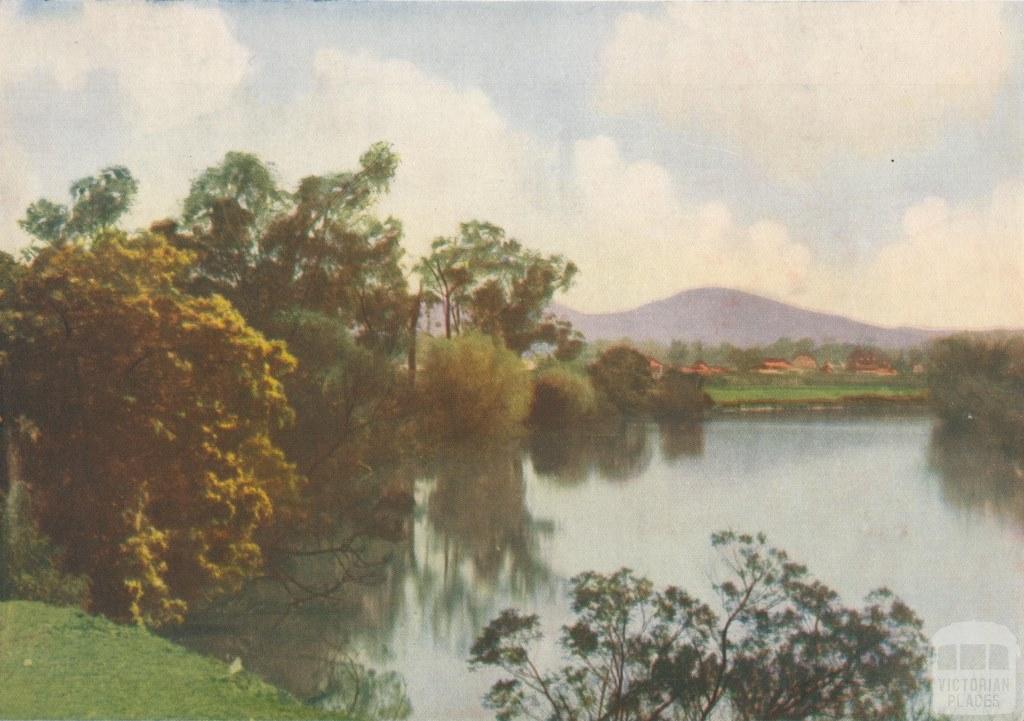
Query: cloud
[[952, 265], [798, 84], [626, 221], [172, 62], [170, 66], [636, 237]]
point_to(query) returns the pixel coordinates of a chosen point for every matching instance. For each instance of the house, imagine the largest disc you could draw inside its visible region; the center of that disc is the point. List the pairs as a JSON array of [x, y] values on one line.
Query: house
[[776, 365], [657, 368], [868, 362], [827, 367], [805, 362], [701, 368]]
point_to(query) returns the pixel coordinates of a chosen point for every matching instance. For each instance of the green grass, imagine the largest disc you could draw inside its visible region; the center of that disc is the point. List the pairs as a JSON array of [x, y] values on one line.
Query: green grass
[[58, 663], [739, 391]]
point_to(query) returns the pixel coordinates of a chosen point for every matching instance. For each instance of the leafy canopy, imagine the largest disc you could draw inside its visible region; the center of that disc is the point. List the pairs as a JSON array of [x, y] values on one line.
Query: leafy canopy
[[151, 462], [97, 203], [779, 645]]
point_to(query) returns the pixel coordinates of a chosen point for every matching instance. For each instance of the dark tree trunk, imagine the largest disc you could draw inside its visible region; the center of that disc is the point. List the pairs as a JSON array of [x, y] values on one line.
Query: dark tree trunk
[[414, 324]]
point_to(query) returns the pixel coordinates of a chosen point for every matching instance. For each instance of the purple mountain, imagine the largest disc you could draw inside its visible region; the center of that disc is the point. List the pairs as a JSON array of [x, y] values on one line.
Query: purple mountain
[[721, 315]]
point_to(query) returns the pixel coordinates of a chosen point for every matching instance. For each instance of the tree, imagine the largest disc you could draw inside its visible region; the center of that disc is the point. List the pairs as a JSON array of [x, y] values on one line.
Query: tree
[[780, 645], [976, 384], [623, 377], [488, 282], [319, 249], [151, 463], [678, 352], [472, 387], [97, 204], [561, 399], [317, 269], [744, 359], [678, 394]]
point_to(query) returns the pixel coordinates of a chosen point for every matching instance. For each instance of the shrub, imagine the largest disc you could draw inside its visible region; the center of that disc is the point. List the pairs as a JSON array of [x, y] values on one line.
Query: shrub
[[29, 562], [561, 398], [678, 395], [472, 386], [977, 384], [622, 377]]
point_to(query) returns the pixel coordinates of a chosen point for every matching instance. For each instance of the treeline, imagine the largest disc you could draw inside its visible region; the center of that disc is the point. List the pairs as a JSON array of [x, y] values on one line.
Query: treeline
[[976, 386], [746, 358], [203, 402]]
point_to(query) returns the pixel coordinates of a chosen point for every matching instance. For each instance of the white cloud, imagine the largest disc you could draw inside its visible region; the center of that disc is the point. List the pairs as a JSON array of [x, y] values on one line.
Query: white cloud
[[173, 62], [636, 238], [952, 265], [173, 66], [798, 84]]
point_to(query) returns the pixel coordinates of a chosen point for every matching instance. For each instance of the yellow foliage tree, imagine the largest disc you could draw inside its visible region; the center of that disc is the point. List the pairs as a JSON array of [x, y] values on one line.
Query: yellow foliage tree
[[150, 460]]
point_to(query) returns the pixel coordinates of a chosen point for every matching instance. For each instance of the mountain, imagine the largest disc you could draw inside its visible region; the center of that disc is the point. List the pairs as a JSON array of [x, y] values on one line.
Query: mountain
[[721, 315]]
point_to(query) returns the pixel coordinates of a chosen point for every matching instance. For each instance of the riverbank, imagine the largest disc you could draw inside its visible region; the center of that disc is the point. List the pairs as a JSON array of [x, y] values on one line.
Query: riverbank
[[58, 663]]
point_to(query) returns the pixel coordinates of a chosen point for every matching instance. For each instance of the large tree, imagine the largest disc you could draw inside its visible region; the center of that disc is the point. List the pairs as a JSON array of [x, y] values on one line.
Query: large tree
[[145, 417], [319, 270], [486, 281], [319, 249]]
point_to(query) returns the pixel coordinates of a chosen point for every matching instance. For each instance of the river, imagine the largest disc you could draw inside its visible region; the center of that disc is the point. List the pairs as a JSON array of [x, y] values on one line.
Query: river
[[864, 501]]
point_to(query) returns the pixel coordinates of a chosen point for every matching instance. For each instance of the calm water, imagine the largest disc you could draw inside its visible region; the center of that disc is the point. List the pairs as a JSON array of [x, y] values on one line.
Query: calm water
[[863, 501]]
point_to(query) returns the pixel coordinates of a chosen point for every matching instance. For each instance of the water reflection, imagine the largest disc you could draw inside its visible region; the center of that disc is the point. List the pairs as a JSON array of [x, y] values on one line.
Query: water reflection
[[976, 474], [506, 524]]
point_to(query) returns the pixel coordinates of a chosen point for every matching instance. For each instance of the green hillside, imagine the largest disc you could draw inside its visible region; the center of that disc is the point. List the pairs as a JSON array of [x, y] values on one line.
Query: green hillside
[[58, 663]]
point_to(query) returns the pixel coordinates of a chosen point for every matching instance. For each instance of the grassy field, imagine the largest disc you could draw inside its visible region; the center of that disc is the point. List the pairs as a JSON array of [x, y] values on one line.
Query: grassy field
[[753, 390], [58, 663]]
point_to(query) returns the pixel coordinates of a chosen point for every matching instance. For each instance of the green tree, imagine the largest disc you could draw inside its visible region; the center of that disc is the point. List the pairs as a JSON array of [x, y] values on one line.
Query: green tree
[[976, 385], [779, 645], [744, 359], [97, 203], [488, 282], [152, 464], [317, 269], [678, 353], [472, 387], [678, 394], [320, 249], [561, 399], [622, 376]]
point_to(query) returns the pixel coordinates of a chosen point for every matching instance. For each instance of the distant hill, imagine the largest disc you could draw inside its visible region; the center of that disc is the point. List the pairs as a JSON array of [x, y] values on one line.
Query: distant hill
[[721, 315]]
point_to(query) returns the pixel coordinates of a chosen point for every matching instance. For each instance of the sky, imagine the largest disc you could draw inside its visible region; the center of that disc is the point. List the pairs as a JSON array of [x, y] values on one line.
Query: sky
[[859, 158]]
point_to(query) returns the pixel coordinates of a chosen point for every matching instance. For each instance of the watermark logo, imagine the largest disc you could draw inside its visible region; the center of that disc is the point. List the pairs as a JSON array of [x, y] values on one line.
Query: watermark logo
[[974, 669]]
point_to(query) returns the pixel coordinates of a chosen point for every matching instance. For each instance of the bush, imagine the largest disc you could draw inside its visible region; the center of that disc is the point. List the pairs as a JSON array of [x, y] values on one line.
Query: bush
[[977, 384], [561, 398], [678, 395], [622, 377], [29, 562], [472, 387]]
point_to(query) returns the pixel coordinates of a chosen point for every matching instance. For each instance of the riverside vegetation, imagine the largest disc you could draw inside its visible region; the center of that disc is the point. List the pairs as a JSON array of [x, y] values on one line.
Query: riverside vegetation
[[238, 393]]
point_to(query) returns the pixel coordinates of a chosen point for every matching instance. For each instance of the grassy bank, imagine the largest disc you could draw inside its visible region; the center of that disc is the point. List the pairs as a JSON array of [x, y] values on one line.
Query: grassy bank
[[815, 390], [58, 663]]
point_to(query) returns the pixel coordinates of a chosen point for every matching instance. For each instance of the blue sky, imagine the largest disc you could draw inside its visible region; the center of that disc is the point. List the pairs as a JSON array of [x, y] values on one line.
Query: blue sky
[[860, 158]]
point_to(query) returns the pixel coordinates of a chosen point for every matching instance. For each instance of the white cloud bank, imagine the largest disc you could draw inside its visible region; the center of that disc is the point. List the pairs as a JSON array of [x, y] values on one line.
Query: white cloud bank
[[798, 84], [626, 223]]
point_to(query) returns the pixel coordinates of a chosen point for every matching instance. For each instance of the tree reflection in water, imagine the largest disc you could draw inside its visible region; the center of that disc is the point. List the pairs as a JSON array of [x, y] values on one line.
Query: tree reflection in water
[[621, 453], [470, 544], [977, 474]]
